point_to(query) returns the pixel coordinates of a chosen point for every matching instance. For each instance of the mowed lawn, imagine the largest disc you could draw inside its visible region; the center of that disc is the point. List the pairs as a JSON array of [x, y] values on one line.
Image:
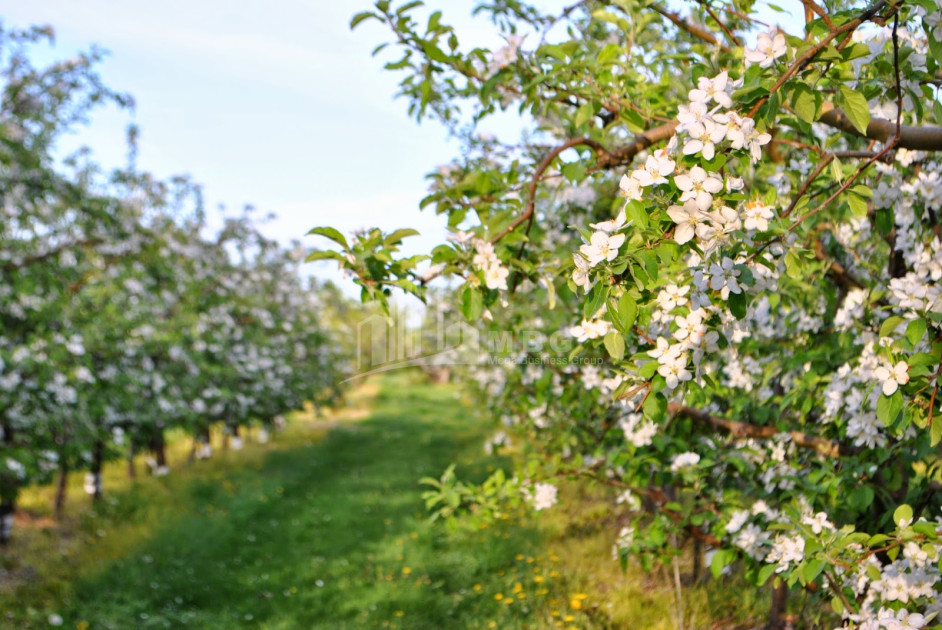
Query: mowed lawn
[[325, 533]]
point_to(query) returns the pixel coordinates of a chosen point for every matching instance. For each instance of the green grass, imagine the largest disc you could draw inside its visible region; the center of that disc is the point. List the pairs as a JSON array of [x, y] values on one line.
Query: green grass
[[329, 534]]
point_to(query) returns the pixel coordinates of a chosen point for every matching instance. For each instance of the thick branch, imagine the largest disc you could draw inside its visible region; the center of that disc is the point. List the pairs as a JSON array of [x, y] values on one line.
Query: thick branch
[[915, 138], [642, 141], [836, 271], [744, 429]]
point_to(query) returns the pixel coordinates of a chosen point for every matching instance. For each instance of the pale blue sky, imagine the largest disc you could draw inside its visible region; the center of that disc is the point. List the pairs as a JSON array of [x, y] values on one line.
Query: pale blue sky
[[277, 104]]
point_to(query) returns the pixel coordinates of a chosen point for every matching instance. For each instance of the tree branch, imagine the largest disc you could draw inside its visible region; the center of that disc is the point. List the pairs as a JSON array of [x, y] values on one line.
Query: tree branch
[[695, 30], [537, 174], [837, 272], [915, 138], [744, 429]]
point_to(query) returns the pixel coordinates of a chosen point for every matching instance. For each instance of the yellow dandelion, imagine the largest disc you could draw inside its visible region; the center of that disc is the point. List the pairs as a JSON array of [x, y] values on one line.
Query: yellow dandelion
[[499, 596], [406, 570]]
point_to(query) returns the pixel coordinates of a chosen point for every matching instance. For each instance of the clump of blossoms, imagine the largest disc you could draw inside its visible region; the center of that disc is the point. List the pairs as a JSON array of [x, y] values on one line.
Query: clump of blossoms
[[495, 274], [542, 495]]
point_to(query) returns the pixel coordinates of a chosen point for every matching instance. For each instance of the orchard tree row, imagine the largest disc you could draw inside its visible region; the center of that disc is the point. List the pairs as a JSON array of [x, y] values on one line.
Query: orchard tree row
[[121, 315], [739, 229]]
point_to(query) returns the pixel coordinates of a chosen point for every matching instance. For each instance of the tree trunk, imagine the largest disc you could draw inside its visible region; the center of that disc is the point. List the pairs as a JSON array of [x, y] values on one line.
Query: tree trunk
[[132, 470], [8, 503], [61, 487], [697, 559], [159, 446], [778, 618], [98, 460], [6, 520]]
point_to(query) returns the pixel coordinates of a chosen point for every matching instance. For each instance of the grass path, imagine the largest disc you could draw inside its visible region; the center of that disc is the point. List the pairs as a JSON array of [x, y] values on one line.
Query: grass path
[[324, 534]]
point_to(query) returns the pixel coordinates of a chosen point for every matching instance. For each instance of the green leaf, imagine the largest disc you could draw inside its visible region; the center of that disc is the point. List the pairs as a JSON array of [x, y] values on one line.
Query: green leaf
[[359, 17], [332, 234], [864, 191], [891, 324], [837, 605], [325, 255], [858, 205], [737, 304], [584, 114], [574, 171], [615, 344], [626, 313], [396, 237], [856, 107], [837, 172], [608, 53], [861, 497], [935, 46], [935, 431], [595, 301], [805, 103], [793, 265], [765, 573], [884, 219], [635, 212], [903, 513], [812, 570], [889, 408], [472, 303], [720, 559], [916, 331], [655, 407], [434, 53]]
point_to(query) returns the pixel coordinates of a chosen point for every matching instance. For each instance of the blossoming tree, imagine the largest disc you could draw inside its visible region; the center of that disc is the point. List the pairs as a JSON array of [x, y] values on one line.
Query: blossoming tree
[[122, 314], [739, 227]]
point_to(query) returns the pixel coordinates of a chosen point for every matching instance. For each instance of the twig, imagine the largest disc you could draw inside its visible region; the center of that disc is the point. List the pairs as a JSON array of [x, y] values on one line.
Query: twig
[[807, 183], [693, 29], [812, 6], [722, 25], [541, 167]]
